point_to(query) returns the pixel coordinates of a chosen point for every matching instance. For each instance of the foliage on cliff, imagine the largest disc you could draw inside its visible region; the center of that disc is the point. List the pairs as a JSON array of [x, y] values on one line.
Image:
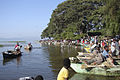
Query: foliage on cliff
[[72, 19]]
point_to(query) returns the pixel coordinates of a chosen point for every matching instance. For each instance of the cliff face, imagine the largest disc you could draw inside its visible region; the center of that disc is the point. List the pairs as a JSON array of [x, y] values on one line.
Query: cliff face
[[74, 18]]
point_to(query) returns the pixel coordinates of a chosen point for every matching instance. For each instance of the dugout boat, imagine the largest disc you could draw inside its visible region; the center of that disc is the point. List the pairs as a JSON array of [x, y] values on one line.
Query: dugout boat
[[11, 54], [89, 69], [104, 69]]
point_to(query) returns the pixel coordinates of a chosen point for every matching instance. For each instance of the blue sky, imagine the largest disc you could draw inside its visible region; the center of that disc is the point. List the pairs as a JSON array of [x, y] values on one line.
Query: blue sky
[[25, 18]]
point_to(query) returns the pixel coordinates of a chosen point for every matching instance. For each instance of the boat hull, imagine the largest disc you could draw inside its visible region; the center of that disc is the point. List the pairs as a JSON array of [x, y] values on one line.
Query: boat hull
[[77, 67], [12, 55]]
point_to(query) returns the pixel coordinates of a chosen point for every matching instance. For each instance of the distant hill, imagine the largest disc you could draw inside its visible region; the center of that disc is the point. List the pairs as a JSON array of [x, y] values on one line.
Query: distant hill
[[72, 19]]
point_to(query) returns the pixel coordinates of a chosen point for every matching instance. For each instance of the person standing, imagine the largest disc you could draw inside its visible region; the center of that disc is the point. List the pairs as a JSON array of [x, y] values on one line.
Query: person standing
[[105, 52], [64, 73], [17, 47], [119, 44]]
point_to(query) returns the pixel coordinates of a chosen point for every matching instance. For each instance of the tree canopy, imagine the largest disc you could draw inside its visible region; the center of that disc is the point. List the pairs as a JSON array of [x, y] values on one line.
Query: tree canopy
[[72, 19]]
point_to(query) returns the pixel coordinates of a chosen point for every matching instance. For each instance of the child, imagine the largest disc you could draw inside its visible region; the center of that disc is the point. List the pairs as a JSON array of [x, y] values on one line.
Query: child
[[64, 73]]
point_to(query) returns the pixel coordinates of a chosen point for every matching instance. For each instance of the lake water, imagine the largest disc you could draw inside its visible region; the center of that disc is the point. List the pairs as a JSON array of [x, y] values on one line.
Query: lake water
[[42, 60]]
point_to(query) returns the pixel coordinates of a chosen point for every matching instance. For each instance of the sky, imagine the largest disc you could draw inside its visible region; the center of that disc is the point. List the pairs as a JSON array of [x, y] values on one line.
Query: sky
[[25, 18]]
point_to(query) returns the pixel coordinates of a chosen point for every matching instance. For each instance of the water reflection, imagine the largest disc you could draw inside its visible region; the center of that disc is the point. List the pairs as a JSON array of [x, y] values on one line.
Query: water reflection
[[57, 55], [7, 61], [28, 51]]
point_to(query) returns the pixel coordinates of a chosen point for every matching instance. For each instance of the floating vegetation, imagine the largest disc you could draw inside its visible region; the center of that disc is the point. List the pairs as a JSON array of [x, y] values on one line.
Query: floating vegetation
[[9, 43], [1, 45], [6, 45], [13, 41]]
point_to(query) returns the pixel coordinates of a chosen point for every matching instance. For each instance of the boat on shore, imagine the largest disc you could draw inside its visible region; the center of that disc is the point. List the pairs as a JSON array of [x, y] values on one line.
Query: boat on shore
[[79, 65], [11, 54], [95, 70], [91, 77]]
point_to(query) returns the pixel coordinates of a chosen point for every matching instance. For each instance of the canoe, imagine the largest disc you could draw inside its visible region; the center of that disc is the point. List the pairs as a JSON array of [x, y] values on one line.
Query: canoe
[[11, 54], [94, 70], [91, 77], [83, 58], [85, 54]]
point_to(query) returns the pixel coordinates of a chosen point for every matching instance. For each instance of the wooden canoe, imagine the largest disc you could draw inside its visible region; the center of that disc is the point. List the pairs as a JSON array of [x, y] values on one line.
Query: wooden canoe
[[83, 69], [11, 54]]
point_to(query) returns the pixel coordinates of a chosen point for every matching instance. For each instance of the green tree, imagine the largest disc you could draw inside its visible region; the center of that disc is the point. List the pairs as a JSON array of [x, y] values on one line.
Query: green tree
[[74, 18]]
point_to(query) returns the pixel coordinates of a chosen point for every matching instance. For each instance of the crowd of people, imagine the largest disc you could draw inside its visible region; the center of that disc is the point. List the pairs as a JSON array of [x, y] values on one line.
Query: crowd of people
[[103, 52], [103, 49]]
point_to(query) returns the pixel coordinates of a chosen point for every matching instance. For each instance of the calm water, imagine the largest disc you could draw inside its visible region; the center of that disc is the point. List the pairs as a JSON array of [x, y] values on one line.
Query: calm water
[[44, 60]]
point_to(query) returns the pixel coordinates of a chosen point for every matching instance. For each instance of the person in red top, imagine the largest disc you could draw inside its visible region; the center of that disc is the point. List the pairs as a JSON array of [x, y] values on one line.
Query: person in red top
[[119, 43], [17, 47], [103, 44], [83, 41], [78, 41]]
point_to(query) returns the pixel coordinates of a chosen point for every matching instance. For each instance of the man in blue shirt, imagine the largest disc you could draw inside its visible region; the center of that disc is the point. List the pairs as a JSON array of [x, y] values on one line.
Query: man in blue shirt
[[105, 52]]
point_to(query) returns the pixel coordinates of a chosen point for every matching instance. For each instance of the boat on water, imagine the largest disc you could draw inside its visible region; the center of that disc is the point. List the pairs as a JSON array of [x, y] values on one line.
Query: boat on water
[[81, 53], [95, 70], [91, 77], [79, 65], [11, 54]]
